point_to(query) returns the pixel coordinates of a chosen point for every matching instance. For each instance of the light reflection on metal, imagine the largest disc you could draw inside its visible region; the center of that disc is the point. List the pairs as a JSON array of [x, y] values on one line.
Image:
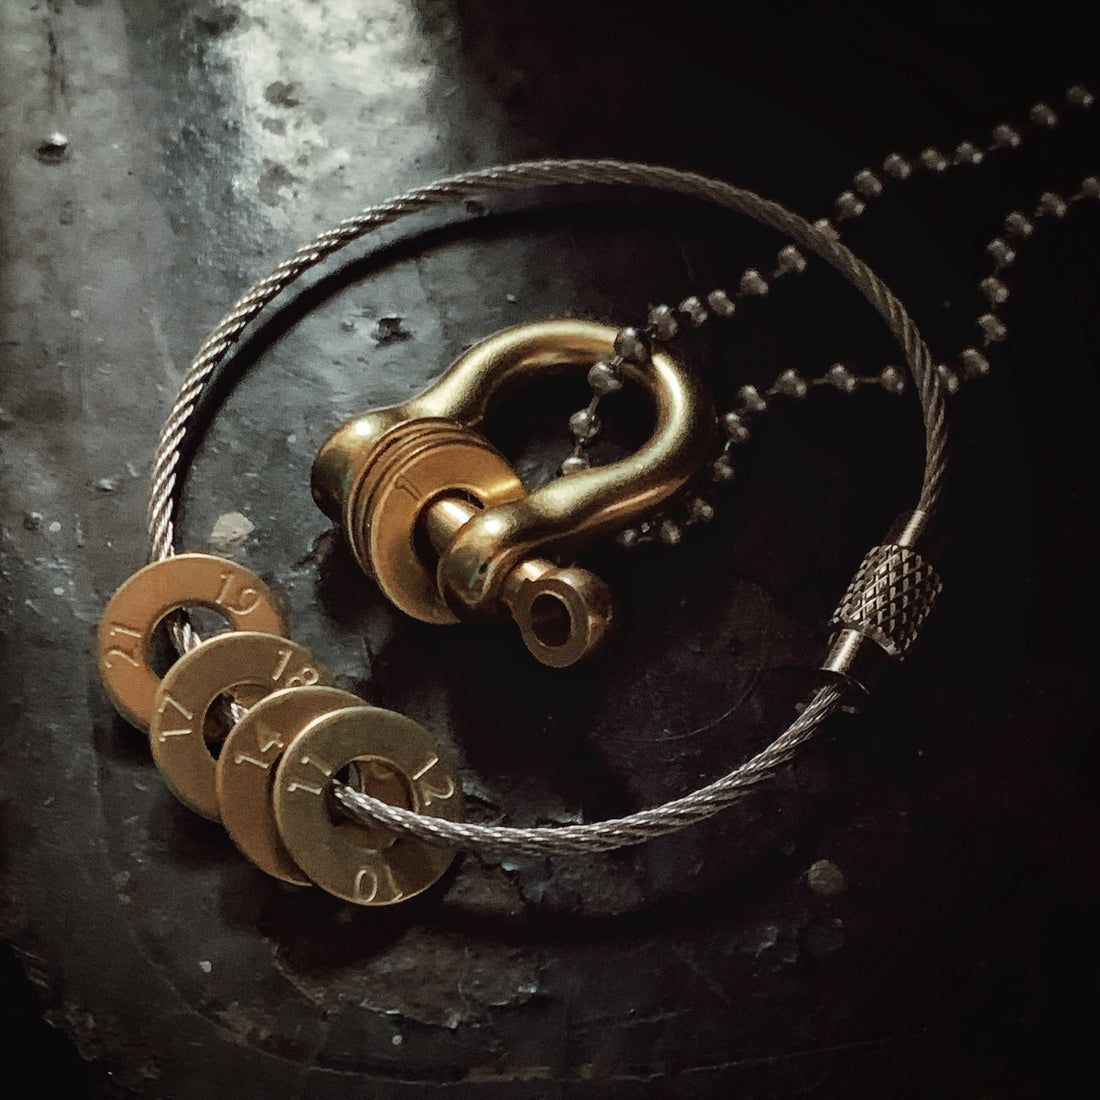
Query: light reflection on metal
[[438, 517]]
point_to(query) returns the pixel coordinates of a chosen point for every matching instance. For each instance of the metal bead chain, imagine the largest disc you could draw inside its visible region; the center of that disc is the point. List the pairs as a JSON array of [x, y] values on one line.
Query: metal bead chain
[[971, 363], [737, 426], [1003, 252], [635, 345], [664, 322]]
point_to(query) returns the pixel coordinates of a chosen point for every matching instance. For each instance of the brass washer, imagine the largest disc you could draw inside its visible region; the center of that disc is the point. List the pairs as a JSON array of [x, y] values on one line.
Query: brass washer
[[422, 463], [144, 599], [330, 853], [245, 771], [190, 687]]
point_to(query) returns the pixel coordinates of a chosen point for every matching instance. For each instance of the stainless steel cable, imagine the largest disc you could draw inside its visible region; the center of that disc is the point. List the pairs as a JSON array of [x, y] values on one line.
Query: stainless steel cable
[[604, 836], [168, 468]]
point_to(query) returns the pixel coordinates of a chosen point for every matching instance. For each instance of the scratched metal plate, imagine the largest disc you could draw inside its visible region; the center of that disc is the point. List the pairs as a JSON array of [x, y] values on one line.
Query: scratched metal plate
[[867, 927]]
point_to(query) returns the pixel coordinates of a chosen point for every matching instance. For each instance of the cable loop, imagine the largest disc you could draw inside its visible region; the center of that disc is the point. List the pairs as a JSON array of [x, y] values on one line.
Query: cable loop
[[169, 466]]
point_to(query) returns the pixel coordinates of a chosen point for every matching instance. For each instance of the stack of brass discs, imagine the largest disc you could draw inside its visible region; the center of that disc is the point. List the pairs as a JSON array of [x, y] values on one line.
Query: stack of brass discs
[[292, 736]]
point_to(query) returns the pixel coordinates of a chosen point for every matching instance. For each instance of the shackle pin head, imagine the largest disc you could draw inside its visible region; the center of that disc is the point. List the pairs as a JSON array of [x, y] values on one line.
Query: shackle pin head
[[563, 614]]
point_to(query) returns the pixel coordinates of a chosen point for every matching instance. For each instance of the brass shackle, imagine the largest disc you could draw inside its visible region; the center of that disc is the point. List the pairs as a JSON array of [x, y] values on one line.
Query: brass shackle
[[442, 522]]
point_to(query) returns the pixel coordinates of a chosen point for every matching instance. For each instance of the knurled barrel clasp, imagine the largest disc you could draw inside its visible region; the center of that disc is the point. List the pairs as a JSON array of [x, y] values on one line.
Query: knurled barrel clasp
[[881, 614]]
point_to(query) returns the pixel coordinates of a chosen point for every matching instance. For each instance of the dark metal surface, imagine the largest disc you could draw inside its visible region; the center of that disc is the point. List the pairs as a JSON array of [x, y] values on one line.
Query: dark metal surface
[[908, 913]]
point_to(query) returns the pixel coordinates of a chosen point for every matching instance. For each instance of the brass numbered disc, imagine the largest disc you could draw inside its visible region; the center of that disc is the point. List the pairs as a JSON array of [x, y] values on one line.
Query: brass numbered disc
[[258, 663], [246, 769], [398, 761], [135, 610], [419, 462]]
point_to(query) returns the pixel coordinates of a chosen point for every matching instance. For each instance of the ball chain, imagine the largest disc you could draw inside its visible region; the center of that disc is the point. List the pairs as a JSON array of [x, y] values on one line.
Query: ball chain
[[665, 322]]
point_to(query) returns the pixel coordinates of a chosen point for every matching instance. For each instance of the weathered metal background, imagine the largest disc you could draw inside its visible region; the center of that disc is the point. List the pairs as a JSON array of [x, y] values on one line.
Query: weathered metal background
[[938, 948]]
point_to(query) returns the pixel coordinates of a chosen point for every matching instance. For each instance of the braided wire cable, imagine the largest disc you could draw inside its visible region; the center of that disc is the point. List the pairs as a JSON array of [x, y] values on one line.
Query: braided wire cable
[[605, 836], [168, 467]]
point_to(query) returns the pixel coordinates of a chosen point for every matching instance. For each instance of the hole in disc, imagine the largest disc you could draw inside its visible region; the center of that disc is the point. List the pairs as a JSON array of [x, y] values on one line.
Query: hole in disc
[[381, 779], [205, 621], [550, 620]]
